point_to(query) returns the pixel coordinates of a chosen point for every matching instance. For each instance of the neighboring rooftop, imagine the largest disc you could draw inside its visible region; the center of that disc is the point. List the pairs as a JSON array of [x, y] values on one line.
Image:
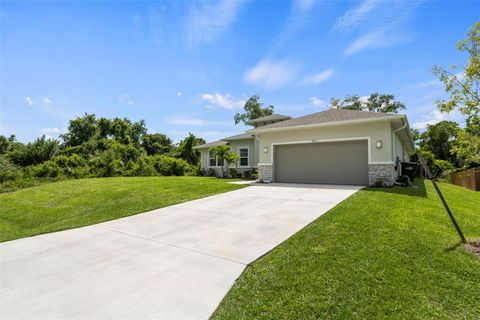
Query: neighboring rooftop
[[330, 115], [273, 118], [211, 144], [241, 136]]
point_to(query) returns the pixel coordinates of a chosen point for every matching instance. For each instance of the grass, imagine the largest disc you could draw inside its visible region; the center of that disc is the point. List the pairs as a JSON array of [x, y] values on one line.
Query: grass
[[381, 254], [76, 203]]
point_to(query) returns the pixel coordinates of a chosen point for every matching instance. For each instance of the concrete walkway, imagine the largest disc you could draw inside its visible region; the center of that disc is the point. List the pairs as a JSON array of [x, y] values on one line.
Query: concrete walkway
[[173, 263]]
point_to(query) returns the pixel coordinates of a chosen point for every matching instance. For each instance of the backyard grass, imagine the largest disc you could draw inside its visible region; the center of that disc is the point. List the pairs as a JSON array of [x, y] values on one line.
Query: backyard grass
[[381, 254], [76, 203]]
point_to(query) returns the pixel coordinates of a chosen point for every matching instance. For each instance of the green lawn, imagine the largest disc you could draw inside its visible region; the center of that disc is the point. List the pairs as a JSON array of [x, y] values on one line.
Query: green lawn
[[381, 254], [76, 203]]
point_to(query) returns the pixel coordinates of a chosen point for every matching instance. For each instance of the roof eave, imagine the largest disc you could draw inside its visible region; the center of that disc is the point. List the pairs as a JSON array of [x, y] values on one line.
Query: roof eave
[[327, 124]]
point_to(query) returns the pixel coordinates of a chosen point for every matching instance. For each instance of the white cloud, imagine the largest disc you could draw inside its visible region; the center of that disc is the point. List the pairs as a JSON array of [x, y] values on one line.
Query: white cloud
[[389, 27], [317, 77], [208, 21], [271, 74], [125, 98], [433, 117], [298, 18], [51, 133], [370, 40], [315, 101], [29, 101], [179, 94], [353, 16], [225, 101], [46, 100], [304, 5]]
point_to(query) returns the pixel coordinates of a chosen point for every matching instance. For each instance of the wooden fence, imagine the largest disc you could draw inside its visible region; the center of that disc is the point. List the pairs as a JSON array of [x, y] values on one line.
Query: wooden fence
[[469, 178]]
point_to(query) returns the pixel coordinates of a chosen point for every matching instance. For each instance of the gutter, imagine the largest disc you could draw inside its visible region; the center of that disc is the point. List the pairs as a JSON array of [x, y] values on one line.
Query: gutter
[[405, 125]]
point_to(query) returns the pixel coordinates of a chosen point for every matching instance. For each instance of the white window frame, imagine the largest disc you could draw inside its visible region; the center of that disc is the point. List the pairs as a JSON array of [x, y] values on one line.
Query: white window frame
[[216, 161], [248, 157]]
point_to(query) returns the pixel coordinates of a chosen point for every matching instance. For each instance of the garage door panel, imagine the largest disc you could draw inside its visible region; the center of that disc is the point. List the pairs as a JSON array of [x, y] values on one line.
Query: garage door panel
[[343, 162]]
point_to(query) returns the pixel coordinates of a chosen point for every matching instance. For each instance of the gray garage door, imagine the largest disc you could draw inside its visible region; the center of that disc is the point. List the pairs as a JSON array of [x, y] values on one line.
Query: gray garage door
[[343, 162]]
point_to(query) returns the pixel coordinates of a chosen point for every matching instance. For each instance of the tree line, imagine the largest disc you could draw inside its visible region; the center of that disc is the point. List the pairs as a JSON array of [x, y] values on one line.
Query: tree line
[[97, 147]]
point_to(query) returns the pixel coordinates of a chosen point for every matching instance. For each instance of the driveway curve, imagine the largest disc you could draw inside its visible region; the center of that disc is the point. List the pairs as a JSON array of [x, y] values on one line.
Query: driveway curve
[[176, 262]]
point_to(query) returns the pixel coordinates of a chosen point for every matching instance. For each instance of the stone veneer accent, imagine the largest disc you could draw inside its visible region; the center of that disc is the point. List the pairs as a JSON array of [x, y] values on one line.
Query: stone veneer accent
[[265, 172], [386, 172]]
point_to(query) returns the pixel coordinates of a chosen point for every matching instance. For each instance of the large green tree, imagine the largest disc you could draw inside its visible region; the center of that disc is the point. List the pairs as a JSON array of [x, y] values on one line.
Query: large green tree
[[439, 139], [156, 143], [376, 102], [253, 109], [464, 95], [186, 151]]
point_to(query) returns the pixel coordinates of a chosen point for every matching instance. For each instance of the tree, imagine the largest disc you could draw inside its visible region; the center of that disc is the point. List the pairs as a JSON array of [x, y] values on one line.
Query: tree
[[464, 95], [351, 102], [225, 154], [186, 151], [376, 102], [253, 109], [36, 152], [156, 143], [439, 139], [8, 144], [80, 130]]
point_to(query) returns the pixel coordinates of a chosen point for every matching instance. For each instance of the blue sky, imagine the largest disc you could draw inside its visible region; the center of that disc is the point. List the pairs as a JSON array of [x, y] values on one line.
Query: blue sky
[[188, 66]]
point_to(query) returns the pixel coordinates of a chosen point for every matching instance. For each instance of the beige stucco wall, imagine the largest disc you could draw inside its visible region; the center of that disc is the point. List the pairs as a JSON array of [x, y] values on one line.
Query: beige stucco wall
[[235, 145], [252, 151], [375, 131]]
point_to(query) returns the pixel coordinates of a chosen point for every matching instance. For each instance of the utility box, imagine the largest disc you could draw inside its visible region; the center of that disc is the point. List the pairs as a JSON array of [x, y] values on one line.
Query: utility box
[[410, 169]]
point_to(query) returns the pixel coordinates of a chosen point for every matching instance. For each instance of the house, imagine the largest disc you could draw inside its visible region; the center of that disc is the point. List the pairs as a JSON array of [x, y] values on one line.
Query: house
[[335, 146]]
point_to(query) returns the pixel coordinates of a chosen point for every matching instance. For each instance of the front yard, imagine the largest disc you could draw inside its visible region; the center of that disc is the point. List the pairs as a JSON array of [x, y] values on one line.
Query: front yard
[[381, 254], [77, 203]]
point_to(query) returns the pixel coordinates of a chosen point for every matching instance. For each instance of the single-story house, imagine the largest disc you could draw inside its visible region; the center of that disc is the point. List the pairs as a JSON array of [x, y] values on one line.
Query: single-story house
[[335, 146]]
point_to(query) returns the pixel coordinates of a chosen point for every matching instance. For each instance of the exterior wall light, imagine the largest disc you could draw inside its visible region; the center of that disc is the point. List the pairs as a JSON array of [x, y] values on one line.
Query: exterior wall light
[[379, 144], [265, 149]]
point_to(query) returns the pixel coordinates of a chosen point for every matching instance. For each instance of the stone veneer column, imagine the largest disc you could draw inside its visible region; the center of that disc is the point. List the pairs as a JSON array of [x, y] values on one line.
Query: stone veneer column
[[385, 172], [265, 172]]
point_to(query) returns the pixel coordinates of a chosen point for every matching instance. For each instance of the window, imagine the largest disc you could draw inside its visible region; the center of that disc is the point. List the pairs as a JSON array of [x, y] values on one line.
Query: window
[[212, 160], [243, 153]]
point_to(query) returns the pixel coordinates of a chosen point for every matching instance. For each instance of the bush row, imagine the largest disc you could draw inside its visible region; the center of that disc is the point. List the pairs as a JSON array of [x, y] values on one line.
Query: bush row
[[103, 164]]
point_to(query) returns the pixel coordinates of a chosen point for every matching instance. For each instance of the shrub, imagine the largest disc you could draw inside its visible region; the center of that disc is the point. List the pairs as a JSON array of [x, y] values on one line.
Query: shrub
[[234, 173], [9, 171], [142, 167], [48, 169], [379, 183], [207, 173], [167, 166], [250, 174], [104, 164]]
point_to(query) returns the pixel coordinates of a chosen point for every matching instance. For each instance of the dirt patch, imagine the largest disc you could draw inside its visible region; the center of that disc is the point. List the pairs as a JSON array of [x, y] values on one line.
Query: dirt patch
[[473, 247]]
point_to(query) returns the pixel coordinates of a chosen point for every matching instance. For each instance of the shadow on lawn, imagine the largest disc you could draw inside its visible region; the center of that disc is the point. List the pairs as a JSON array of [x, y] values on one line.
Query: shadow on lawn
[[415, 189]]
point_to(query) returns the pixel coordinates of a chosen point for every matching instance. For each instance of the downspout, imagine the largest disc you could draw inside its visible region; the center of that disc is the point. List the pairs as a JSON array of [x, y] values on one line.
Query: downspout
[[253, 151], [395, 140]]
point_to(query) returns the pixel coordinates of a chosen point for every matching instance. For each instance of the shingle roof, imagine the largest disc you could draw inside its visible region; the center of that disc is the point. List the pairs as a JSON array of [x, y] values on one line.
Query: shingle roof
[[272, 117], [240, 136], [211, 144], [330, 115]]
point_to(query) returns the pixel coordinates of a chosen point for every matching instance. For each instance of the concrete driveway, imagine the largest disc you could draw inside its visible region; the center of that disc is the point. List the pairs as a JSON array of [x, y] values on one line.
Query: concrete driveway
[[172, 263]]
